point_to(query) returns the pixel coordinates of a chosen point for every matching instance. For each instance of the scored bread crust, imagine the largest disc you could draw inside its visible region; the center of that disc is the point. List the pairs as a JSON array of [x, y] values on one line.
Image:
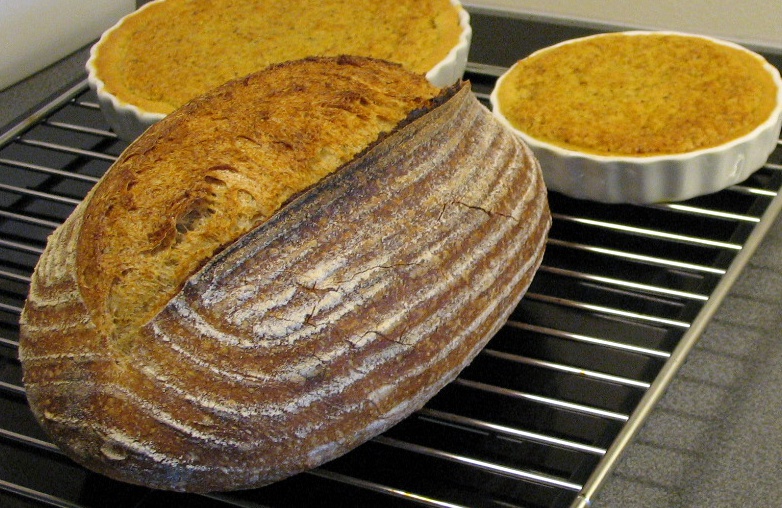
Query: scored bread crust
[[322, 327], [222, 164]]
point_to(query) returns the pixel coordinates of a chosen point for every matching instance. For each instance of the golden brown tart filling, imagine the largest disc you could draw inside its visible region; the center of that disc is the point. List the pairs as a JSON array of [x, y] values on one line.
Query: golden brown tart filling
[[171, 51], [639, 94]]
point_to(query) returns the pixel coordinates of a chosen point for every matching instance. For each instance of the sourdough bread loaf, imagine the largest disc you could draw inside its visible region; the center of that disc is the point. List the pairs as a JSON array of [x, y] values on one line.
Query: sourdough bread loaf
[[278, 272]]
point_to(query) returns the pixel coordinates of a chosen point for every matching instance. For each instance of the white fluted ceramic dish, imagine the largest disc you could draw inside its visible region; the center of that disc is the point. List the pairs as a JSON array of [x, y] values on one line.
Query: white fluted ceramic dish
[[653, 179], [129, 120]]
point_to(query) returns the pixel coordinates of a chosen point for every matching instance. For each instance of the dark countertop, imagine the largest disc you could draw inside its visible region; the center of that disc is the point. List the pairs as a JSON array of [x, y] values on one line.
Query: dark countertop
[[715, 438], [18, 99]]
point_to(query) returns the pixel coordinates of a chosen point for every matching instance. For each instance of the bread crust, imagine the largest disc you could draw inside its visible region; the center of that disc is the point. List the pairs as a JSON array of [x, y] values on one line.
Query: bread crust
[[325, 325], [222, 164]]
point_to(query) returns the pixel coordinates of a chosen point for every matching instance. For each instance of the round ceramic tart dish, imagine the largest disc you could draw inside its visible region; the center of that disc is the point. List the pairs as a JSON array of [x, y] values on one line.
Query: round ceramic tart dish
[[643, 117], [159, 57]]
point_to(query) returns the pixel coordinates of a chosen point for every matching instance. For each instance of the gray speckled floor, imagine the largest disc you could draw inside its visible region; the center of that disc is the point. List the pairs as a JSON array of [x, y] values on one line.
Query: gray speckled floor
[[715, 438]]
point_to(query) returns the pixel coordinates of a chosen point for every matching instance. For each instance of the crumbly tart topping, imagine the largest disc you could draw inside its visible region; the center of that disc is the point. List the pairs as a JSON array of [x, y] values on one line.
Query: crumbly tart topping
[[174, 50], [638, 94]]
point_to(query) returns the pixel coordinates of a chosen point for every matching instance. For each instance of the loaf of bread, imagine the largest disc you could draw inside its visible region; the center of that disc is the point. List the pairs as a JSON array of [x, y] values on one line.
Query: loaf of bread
[[278, 272]]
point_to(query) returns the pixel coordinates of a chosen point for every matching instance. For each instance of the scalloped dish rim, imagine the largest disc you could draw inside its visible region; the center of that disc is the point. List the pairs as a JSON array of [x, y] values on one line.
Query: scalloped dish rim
[[657, 178]]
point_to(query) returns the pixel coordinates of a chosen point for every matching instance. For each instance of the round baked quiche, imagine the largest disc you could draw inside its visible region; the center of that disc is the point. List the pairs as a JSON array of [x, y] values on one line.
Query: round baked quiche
[[169, 51], [643, 116]]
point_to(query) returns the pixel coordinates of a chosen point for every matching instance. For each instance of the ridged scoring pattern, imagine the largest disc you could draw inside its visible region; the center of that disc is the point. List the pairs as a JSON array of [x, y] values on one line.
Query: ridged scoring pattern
[[331, 322]]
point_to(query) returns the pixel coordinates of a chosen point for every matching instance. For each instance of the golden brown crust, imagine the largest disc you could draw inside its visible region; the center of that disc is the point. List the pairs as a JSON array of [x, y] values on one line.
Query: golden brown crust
[[222, 165], [337, 317], [638, 94], [214, 42]]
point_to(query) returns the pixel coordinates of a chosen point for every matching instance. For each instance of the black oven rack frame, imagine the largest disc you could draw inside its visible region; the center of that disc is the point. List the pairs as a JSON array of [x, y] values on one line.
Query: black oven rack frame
[[542, 415]]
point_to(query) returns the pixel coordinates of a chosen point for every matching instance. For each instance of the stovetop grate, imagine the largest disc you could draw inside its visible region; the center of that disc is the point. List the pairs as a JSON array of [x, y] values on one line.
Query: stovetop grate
[[540, 416]]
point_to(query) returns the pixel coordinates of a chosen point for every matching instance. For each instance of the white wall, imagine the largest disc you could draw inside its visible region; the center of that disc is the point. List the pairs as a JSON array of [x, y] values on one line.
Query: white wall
[[36, 33], [754, 22]]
